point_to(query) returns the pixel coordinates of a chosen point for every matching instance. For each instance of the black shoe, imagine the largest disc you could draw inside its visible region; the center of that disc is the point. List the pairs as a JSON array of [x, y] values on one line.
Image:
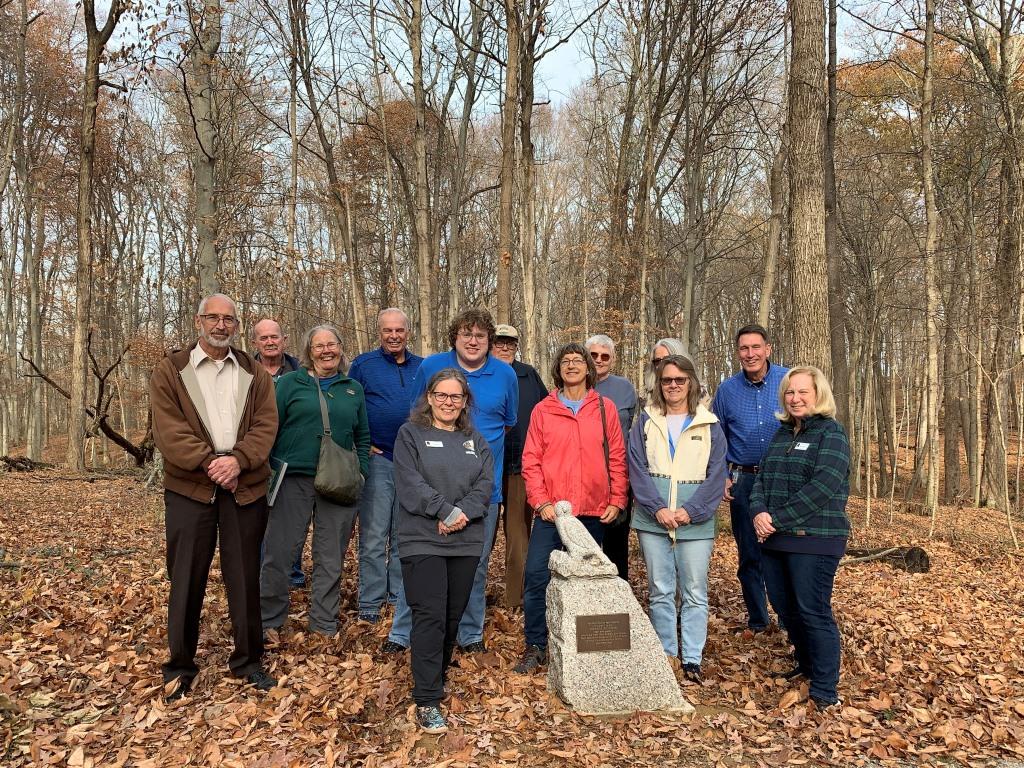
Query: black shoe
[[692, 673], [793, 673], [477, 647], [823, 705], [260, 680], [183, 687], [533, 657], [390, 646]]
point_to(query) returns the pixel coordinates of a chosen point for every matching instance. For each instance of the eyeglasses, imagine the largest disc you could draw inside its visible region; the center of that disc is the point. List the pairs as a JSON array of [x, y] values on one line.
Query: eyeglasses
[[505, 344], [679, 381], [218, 319], [466, 335], [602, 357], [325, 347], [572, 361], [444, 397]]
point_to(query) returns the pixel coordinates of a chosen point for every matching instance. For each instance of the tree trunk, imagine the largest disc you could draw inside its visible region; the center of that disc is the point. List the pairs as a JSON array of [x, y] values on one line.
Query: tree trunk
[[206, 127], [836, 305], [771, 257], [424, 262], [931, 496], [513, 23], [96, 40], [807, 209]]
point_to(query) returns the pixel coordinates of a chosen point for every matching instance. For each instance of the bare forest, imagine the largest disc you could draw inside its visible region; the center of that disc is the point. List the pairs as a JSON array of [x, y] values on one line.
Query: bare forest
[[849, 174]]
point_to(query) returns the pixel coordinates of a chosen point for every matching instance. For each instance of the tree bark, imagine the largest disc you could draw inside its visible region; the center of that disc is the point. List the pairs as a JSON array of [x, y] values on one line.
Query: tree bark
[[807, 209], [513, 24], [207, 27]]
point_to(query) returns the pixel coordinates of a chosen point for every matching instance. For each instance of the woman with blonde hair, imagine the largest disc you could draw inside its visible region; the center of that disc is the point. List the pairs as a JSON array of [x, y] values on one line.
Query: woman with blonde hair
[[798, 507]]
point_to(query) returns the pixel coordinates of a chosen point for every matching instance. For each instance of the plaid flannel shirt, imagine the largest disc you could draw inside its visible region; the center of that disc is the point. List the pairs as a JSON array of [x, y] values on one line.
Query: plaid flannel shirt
[[804, 481]]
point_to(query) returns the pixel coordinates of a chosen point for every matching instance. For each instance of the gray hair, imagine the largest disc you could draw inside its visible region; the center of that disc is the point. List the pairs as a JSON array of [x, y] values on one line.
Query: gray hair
[[205, 299], [306, 354], [674, 347], [393, 311], [600, 340], [252, 331]]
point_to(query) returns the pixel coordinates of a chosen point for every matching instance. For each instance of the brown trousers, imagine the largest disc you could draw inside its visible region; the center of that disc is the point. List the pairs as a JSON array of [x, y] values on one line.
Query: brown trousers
[[518, 521], [193, 529]]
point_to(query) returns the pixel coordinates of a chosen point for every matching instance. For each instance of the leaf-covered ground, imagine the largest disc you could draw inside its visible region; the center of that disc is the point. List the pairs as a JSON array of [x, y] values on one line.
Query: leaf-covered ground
[[933, 670]]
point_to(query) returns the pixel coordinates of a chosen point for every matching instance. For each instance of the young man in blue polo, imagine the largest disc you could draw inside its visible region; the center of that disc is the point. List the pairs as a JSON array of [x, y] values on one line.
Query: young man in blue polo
[[745, 405], [495, 391]]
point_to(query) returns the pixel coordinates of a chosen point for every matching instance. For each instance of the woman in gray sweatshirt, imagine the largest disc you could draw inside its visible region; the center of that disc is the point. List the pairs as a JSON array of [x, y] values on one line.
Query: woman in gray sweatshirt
[[444, 475]]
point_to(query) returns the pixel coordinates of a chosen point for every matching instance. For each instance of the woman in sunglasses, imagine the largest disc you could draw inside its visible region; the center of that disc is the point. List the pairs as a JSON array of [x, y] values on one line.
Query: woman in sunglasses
[[575, 452], [677, 470], [444, 473]]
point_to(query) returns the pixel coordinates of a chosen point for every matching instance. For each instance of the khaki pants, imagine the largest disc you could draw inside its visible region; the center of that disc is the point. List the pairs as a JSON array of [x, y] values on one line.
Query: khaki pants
[[518, 520]]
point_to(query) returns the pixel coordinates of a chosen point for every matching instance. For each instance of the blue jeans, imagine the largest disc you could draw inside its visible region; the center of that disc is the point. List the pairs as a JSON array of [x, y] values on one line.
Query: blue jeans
[[380, 571], [544, 540], [683, 566], [801, 587], [471, 627], [752, 581]]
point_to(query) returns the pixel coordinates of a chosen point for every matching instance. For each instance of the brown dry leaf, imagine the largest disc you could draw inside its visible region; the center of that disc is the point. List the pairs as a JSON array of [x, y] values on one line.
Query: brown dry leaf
[[789, 698]]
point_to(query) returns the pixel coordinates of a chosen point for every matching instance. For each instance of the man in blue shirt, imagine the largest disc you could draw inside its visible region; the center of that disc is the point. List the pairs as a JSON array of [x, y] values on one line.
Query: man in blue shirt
[[495, 390], [386, 374], [745, 405]]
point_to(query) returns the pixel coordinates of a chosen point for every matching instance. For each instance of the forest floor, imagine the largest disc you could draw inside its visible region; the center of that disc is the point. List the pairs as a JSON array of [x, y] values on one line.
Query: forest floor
[[933, 670]]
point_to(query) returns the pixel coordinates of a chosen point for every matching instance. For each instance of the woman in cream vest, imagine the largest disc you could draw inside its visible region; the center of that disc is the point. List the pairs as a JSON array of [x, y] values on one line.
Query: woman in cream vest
[[677, 470]]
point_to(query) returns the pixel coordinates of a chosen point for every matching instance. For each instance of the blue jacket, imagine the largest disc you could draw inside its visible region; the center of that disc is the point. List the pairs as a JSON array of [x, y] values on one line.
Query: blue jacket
[[389, 392]]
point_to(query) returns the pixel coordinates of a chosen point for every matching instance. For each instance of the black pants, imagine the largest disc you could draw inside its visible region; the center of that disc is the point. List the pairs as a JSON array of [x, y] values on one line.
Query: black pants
[[193, 528], [437, 591], [616, 540]]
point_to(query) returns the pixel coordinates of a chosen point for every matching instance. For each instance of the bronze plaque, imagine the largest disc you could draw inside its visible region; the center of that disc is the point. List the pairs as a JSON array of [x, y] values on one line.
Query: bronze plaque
[[602, 632]]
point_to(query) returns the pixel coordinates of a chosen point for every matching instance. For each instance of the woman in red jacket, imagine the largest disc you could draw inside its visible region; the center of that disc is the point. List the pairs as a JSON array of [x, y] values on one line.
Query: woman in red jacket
[[574, 452]]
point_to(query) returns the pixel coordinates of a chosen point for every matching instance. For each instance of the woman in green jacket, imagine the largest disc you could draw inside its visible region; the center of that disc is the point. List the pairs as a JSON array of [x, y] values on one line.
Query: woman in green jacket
[[300, 430]]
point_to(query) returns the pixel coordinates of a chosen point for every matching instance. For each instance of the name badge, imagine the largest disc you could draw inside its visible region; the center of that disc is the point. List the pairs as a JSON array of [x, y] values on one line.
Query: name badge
[[802, 446], [434, 444], [696, 437]]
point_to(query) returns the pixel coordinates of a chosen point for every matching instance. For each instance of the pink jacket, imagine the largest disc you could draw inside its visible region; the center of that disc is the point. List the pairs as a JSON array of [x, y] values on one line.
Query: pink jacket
[[564, 457]]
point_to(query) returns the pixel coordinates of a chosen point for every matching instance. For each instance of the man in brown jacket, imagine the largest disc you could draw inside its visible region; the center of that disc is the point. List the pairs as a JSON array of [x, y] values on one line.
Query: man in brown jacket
[[214, 421]]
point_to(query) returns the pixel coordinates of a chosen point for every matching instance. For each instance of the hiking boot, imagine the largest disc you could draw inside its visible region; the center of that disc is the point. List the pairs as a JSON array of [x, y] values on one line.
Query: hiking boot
[[390, 646], [477, 647], [430, 720], [533, 657]]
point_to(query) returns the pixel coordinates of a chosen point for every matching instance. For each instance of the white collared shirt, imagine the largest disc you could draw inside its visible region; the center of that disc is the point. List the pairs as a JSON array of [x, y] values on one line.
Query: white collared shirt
[[218, 381]]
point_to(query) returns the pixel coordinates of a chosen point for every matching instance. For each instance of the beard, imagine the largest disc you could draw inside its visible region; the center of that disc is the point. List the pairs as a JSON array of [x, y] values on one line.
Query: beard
[[215, 342]]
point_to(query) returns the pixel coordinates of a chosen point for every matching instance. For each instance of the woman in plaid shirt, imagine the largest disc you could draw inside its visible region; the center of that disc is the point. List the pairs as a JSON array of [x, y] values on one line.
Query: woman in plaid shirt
[[798, 506]]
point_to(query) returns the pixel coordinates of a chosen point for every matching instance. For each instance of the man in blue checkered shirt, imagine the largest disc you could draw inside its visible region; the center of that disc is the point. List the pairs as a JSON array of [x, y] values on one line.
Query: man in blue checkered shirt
[[745, 405]]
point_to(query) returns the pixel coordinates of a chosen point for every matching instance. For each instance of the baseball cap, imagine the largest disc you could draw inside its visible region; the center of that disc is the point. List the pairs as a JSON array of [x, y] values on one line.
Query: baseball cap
[[506, 331]]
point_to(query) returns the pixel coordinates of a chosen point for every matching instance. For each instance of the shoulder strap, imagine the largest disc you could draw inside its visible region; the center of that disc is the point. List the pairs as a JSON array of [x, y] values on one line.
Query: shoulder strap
[[323, 409], [604, 443]]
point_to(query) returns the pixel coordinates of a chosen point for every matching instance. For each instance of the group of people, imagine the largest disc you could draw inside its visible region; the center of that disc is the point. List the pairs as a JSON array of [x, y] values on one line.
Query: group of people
[[447, 442]]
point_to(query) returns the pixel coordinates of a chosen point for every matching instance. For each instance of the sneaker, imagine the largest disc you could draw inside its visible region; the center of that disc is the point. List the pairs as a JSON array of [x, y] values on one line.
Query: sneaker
[[692, 673], [532, 658], [792, 674], [430, 720], [297, 582], [477, 647], [260, 680], [390, 646]]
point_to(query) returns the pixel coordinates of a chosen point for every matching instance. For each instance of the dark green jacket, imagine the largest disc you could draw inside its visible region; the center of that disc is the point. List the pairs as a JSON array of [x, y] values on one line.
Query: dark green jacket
[[300, 426], [803, 484]]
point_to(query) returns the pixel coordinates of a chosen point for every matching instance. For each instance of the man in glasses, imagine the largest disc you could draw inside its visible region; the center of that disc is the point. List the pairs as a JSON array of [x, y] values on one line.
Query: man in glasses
[[745, 405], [214, 421], [518, 514], [621, 392], [495, 393], [386, 374]]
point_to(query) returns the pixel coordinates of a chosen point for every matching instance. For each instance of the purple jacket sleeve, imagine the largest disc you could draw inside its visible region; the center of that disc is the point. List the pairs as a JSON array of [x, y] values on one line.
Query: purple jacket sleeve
[[705, 500]]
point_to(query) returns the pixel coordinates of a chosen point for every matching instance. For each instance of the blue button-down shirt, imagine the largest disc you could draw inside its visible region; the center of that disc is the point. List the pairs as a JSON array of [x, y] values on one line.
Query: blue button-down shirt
[[746, 412]]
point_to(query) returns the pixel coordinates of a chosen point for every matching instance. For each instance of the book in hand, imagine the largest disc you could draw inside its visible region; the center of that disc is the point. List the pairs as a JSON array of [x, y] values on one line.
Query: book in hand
[[277, 470]]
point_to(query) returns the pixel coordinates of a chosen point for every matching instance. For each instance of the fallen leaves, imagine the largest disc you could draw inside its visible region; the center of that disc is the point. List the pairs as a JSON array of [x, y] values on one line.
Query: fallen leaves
[[931, 664]]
